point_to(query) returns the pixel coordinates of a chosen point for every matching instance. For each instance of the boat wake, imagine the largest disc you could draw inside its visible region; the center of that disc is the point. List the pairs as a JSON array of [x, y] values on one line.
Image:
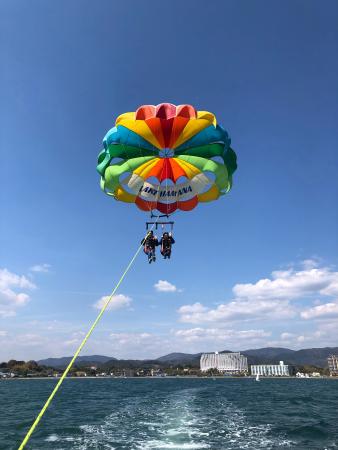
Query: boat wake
[[185, 419]]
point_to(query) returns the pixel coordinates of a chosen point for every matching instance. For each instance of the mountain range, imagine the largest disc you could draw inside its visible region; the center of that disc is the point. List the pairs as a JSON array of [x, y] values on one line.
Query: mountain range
[[269, 355]]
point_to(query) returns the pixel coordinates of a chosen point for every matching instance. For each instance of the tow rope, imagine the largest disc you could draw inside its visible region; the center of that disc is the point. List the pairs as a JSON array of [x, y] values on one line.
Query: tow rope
[[85, 339]]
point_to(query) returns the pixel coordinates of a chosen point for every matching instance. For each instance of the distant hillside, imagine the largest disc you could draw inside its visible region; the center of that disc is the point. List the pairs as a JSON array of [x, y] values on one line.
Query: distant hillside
[[180, 358], [80, 361], [310, 356], [131, 364], [268, 352], [269, 355]]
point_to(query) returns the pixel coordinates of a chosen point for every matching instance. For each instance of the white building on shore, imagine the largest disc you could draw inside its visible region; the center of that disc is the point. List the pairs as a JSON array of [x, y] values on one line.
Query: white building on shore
[[224, 362], [333, 365], [271, 370]]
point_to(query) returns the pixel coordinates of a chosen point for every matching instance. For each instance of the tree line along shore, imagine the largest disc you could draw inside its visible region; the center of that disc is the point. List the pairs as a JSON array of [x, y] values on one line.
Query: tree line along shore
[[31, 369]]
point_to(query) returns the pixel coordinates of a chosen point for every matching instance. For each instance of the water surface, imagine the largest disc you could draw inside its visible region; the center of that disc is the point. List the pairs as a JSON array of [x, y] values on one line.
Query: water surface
[[132, 414]]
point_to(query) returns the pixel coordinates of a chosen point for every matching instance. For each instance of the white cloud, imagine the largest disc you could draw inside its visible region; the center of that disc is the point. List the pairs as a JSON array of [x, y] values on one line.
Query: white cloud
[[329, 327], [245, 321], [128, 338], [30, 340], [324, 335], [40, 268], [313, 337], [3, 333], [287, 336], [321, 311], [237, 309], [71, 342], [117, 302], [331, 289], [219, 334], [290, 284], [141, 345], [270, 298], [165, 286], [76, 339], [11, 295], [195, 308], [311, 263], [8, 279]]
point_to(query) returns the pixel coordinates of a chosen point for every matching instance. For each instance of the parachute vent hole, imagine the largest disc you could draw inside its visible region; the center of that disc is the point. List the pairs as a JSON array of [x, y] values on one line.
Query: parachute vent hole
[[166, 153]]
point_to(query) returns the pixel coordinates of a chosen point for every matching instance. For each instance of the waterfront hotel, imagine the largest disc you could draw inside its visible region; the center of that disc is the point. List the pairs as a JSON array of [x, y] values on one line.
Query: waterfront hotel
[[230, 363], [270, 370], [333, 365]]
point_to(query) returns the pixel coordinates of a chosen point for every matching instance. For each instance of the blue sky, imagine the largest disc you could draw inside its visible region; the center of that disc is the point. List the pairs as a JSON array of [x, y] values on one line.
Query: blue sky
[[258, 267]]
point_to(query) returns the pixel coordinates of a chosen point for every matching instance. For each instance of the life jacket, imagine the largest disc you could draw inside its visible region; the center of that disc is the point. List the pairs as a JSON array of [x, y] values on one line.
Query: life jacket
[[166, 243], [150, 242]]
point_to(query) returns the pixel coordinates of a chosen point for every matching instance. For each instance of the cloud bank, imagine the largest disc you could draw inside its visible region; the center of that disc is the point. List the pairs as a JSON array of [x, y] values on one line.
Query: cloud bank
[[13, 292], [272, 298]]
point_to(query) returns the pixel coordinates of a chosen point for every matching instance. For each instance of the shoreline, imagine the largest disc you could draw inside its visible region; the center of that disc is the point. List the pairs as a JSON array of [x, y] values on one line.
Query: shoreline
[[172, 377]]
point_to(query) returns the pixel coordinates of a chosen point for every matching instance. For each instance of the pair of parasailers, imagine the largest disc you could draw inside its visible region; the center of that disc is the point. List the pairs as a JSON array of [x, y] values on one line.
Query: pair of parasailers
[[150, 243]]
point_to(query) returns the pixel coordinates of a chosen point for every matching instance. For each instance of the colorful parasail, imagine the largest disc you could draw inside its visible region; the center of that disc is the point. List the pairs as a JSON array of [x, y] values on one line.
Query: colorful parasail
[[166, 157]]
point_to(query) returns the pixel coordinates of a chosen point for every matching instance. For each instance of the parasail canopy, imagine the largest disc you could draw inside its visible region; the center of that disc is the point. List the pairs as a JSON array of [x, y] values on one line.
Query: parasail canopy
[[166, 157]]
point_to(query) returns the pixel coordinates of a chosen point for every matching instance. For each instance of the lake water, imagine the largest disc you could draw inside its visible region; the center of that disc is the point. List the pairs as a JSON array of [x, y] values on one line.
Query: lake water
[[171, 413]]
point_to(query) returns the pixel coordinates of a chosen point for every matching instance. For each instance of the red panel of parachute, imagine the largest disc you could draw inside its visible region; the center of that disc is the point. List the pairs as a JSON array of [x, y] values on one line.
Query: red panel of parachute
[[166, 208], [166, 121]]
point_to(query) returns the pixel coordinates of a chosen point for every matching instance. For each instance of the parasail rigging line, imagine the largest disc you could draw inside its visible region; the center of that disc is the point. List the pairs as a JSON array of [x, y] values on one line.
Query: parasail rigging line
[[85, 339]]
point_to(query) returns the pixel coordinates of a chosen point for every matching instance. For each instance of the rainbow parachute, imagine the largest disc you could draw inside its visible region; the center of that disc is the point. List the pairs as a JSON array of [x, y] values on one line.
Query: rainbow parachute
[[166, 157]]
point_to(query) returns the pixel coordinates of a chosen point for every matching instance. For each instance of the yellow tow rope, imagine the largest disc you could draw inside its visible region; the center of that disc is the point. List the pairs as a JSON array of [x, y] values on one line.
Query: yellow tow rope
[[50, 398]]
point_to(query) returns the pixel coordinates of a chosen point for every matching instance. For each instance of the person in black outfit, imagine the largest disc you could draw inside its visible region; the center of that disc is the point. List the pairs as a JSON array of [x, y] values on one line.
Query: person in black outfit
[[150, 242], [166, 242]]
